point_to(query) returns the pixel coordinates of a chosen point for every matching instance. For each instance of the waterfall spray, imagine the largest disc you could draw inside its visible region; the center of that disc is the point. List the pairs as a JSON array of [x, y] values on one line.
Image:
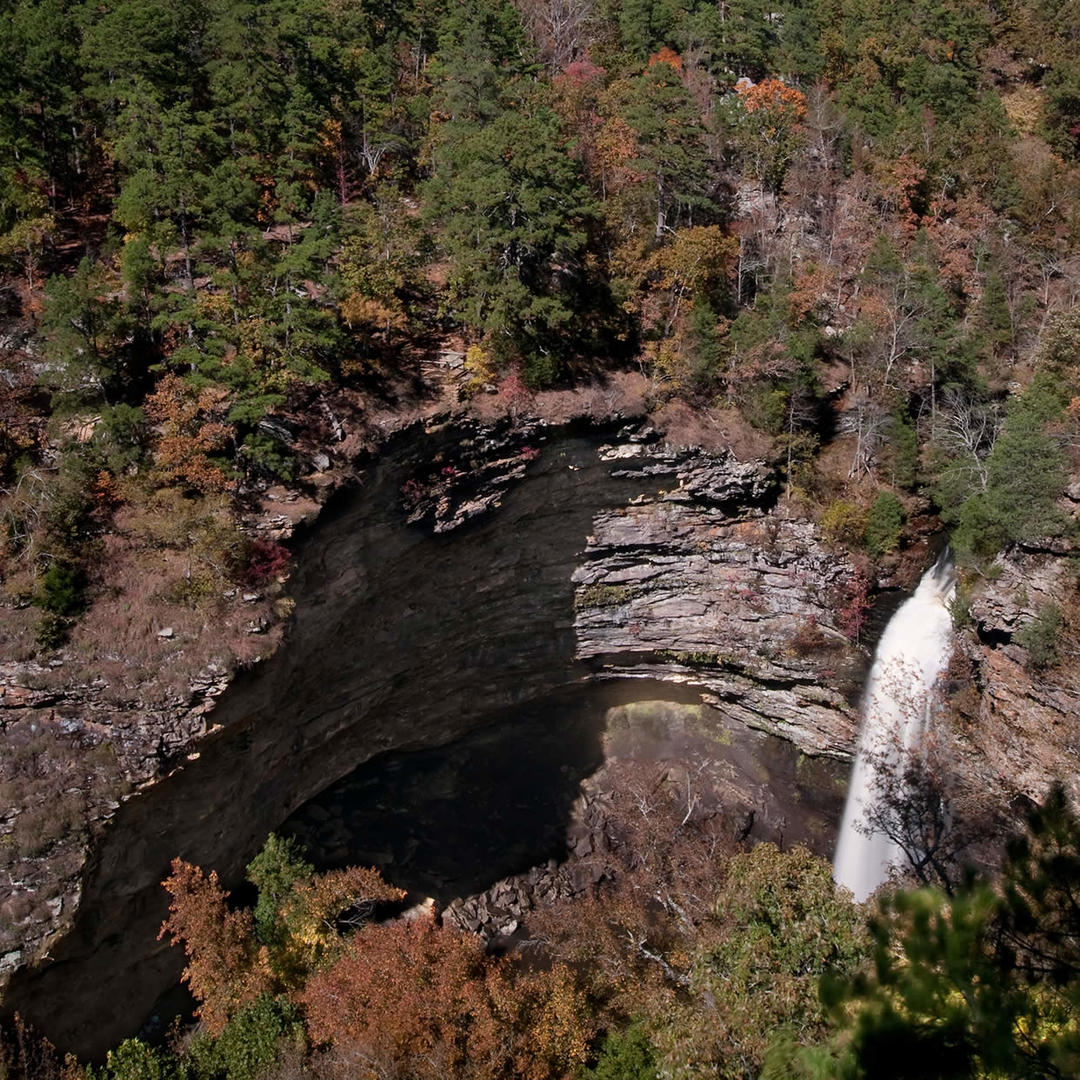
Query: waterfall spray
[[896, 709]]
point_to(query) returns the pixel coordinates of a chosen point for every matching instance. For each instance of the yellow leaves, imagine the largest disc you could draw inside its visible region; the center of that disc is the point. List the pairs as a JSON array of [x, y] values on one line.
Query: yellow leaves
[[213, 306], [481, 368], [376, 317], [843, 523], [1024, 107], [329, 137], [616, 147], [311, 911], [553, 1017], [698, 258]]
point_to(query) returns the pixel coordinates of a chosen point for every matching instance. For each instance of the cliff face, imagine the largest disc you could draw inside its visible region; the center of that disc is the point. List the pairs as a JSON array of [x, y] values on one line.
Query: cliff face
[[476, 570], [699, 584], [1019, 729]]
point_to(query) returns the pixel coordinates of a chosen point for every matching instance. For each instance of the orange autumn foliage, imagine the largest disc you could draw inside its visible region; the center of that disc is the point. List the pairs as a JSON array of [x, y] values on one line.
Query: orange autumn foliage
[[783, 103], [226, 967], [666, 56], [417, 1000], [191, 426]]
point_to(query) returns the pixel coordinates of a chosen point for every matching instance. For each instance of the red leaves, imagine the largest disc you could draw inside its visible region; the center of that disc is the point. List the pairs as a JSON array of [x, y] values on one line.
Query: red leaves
[[853, 605], [265, 561]]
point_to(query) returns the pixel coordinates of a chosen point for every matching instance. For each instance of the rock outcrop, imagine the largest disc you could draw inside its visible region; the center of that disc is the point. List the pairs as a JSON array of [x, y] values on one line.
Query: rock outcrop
[[1021, 723], [699, 584]]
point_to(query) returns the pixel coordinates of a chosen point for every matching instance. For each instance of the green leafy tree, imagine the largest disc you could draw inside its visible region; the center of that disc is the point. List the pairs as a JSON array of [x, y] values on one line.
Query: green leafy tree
[[40, 129], [903, 450], [274, 872], [782, 926], [250, 1044], [86, 330], [1025, 475], [165, 155], [625, 1055], [767, 126], [134, 1059], [669, 154], [981, 983], [134, 49]]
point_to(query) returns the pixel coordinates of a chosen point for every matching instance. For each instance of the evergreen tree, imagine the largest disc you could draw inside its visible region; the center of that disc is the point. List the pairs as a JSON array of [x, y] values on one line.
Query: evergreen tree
[[670, 153], [513, 209]]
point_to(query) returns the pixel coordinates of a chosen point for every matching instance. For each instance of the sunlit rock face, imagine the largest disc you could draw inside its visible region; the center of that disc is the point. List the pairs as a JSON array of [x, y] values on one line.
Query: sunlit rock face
[[474, 572]]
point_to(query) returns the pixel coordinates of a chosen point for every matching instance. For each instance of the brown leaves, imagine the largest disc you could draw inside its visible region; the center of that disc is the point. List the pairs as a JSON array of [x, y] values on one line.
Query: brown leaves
[[226, 967], [413, 999], [192, 426]]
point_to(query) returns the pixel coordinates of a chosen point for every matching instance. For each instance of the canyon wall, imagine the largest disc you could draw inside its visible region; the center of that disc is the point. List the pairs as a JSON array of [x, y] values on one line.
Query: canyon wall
[[475, 570]]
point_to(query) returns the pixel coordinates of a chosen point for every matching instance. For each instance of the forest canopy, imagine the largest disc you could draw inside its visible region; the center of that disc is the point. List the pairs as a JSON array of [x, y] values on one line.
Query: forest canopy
[[213, 214]]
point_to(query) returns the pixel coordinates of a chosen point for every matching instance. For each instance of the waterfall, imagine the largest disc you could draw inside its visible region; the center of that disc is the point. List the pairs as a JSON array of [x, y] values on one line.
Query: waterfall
[[896, 708]]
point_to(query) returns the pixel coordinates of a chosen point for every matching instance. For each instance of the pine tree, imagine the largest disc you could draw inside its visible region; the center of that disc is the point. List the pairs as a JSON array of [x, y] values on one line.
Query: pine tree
[[670, 153], [513, 208]]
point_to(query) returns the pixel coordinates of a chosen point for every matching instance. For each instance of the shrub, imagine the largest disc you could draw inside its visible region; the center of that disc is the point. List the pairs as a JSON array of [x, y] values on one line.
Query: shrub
[[66, 522], [62, 587], [56, 817], [249, 1045], [625, 1055], [261, 455], [1039, 637], [843, 523], [265, 561], [121, 435], [884, 521], [52, 631], [480, 368], [135, 1060], [765, 407]]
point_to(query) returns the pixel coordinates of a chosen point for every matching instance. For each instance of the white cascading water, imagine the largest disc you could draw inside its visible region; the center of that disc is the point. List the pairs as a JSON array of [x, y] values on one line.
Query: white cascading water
[[896, 709]]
